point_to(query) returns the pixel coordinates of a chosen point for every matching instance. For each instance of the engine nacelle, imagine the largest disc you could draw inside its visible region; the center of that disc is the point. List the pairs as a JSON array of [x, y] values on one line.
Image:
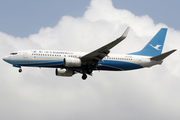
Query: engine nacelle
[[64, 72], [72, 62]]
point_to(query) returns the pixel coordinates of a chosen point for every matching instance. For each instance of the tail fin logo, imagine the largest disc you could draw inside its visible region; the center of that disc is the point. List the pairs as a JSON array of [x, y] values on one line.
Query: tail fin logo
[[156, 47]]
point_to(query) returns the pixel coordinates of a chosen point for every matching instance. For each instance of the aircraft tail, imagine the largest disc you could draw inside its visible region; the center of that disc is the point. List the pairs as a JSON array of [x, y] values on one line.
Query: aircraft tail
[[155, 46]]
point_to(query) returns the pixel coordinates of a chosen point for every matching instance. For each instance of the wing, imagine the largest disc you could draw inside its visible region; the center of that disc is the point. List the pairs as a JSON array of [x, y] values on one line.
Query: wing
[[99, 54]]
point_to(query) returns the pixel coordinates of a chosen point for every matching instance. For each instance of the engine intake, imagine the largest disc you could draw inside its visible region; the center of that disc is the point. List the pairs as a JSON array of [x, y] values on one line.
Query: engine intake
[[72, 62], [64, 72]]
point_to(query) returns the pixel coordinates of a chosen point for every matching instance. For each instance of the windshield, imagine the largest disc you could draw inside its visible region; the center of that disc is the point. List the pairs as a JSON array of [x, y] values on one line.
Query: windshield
[[13, 53]]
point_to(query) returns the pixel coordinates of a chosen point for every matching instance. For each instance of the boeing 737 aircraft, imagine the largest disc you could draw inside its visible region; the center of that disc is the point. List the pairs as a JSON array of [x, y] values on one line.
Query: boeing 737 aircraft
[[69, 63]]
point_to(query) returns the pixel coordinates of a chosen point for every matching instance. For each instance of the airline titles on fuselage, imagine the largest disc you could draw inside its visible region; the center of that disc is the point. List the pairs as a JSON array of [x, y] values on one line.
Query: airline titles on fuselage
[[71, 54]]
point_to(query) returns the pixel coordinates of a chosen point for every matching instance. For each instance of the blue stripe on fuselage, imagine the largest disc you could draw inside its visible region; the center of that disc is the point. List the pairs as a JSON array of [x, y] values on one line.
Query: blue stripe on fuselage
[[38, 63], [105, 65], [117, 65]]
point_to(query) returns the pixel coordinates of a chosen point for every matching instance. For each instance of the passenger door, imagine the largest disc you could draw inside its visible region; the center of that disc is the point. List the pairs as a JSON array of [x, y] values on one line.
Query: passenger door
[[25, 55]]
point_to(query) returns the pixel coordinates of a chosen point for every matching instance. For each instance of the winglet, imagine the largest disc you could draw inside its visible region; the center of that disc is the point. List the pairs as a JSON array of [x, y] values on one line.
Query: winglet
[[162, 56], [125, 33], [100, 53]]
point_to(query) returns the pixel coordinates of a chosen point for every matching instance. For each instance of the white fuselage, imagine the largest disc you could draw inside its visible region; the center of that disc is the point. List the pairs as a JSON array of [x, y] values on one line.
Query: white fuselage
[[55, 59]]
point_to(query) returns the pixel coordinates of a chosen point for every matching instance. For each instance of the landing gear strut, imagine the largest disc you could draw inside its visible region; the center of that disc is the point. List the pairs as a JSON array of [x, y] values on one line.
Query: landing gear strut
[[84, 76], [20, 70]]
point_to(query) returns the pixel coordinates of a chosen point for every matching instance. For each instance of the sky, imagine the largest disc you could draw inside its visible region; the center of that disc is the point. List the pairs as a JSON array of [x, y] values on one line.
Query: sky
[[21, 18], [85, 25]]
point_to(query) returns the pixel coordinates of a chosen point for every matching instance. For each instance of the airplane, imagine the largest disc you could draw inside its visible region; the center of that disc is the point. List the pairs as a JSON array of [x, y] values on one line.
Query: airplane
[[67, 63]]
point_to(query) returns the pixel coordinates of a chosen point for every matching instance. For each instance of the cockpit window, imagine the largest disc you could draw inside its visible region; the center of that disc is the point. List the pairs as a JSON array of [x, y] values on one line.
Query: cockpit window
[[13, 53]]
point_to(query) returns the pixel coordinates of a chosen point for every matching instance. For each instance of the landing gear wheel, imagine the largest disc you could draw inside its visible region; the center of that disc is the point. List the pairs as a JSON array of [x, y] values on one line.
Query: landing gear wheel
[[84, 76], [20, 70]]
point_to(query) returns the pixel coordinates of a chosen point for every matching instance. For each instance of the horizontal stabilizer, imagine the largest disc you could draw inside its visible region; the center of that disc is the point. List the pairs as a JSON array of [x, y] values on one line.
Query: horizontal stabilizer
[[162, 56]]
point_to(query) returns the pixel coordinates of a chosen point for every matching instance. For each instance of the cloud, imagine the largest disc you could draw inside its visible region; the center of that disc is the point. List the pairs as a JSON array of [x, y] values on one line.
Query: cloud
[[150, 93]]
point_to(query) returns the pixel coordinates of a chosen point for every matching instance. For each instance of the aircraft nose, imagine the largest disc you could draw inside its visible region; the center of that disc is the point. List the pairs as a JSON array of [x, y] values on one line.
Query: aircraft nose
[[6, 58]]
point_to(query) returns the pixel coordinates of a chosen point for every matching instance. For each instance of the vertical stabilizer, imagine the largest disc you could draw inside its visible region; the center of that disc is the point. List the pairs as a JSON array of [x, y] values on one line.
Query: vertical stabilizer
[[155, 46]]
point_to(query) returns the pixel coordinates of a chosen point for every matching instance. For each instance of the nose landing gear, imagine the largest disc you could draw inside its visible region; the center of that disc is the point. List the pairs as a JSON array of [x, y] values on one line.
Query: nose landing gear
[[20, 70], [18, 66]]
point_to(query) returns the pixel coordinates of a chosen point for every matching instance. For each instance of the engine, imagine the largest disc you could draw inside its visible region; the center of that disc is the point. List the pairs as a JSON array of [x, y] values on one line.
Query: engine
[[64, 72], [72, 62]]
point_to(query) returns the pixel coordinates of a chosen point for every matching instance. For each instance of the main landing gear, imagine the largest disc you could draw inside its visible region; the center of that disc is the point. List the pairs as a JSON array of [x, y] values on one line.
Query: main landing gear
[[84, 76], [85, 72]]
